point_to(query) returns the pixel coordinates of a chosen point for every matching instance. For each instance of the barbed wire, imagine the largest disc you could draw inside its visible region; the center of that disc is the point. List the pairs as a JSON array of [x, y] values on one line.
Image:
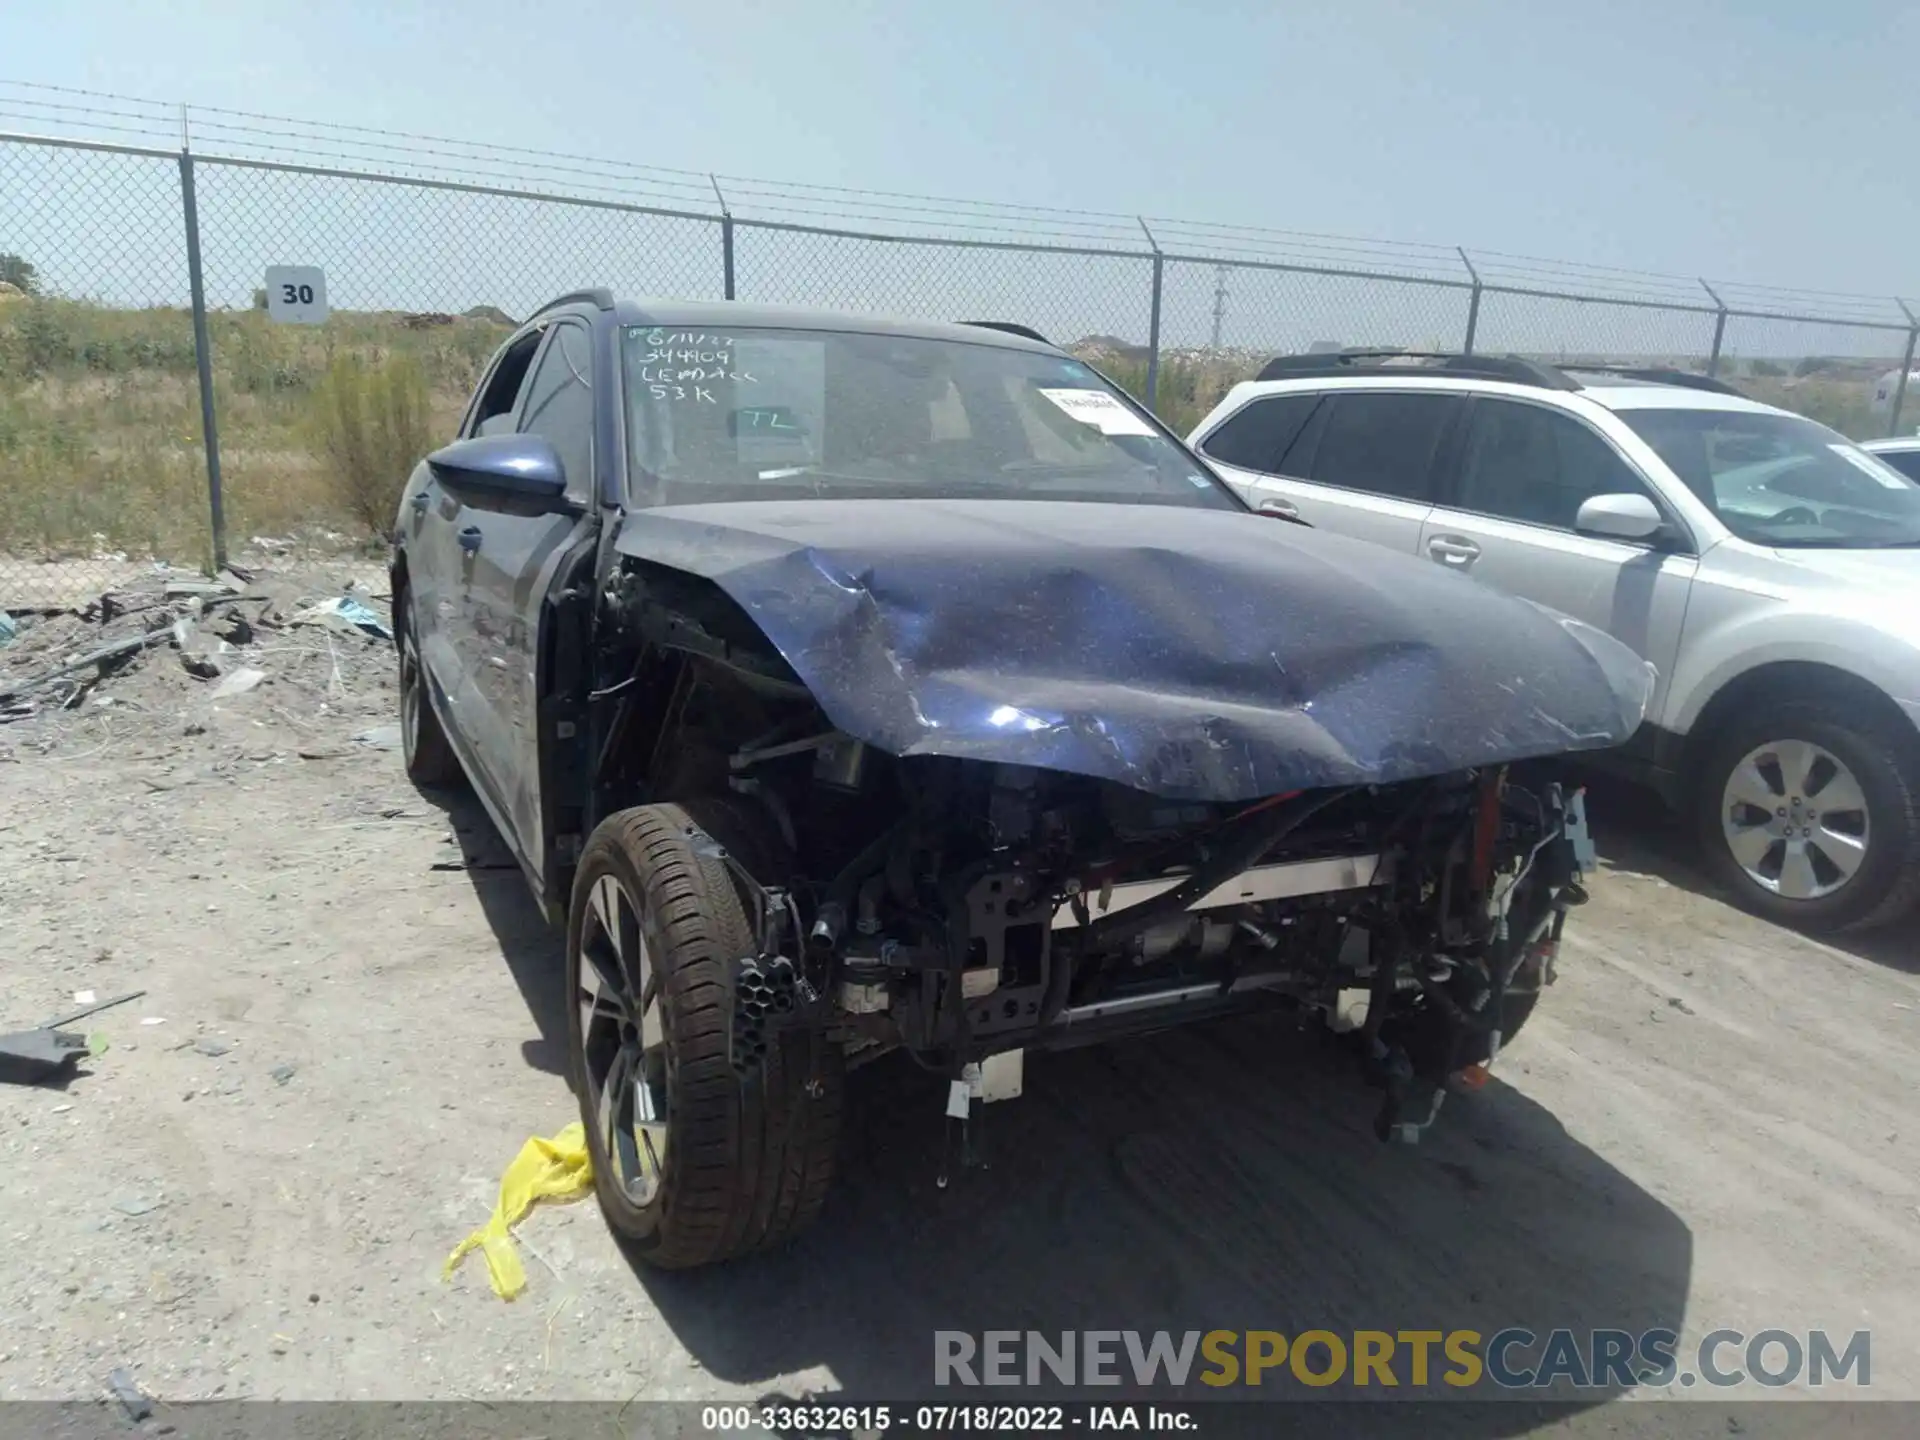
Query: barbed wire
[[79, 112]]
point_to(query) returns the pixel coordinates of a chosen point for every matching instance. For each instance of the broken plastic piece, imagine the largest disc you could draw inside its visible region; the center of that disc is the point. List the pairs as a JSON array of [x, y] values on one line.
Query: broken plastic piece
[[347, 615], [556, 1169], [27, 1056], [137, 1405]]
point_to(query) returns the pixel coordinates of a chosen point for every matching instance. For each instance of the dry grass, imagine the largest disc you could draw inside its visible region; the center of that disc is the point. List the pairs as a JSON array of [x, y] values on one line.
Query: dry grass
[[100, 446], [1187, 387], [371, 422]]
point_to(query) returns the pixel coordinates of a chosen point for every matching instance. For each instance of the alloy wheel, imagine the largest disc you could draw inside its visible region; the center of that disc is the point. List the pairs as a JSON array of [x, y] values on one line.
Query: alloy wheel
[[1795, 819], [411, 698], [624, 1040]]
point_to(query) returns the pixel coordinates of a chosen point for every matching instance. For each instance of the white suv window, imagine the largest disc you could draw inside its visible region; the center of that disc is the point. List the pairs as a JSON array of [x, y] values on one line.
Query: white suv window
[[1527, 463], [1381, 443], [1257, 436]]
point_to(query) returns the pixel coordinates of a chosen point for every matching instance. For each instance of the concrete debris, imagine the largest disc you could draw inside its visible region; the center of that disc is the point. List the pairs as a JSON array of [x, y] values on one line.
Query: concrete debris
[[59, 666], [211, 1048], [381, 737], [237, 683], [178, 589], [103, 657]]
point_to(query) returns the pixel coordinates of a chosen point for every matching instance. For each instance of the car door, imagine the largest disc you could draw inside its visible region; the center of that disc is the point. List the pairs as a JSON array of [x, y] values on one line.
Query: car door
[[1360, 464], [439, 564], [513, 557], [1506, 516]]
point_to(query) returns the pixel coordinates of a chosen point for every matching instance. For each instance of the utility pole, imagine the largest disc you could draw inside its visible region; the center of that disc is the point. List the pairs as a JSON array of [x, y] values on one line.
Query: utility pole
[[1219, 301]]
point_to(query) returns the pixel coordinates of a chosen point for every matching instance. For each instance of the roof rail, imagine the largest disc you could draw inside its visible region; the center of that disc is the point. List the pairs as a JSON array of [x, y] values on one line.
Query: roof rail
[[1511, 368], [599, 297], [1009, 327], [1657, 375]]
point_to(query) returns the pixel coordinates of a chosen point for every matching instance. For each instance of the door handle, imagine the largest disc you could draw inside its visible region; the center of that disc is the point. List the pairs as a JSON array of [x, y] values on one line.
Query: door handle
[[1453, 550], [470, 539], [419, 502], [1284, 509]]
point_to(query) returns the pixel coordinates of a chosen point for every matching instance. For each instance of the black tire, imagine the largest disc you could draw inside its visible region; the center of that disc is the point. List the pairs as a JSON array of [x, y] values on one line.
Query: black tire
[[748, 1155], [424, 747], [1880, 756]]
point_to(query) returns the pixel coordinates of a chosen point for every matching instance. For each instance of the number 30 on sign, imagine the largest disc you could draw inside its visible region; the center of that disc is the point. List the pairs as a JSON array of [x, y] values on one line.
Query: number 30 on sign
[[297, 293]]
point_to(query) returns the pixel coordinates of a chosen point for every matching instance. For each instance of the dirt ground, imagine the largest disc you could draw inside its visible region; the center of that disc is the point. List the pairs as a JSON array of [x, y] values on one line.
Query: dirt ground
[[251, 1192]]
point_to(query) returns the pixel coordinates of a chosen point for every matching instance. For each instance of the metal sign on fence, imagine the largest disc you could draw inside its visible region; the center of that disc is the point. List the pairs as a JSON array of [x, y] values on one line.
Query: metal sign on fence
[[297, 294]]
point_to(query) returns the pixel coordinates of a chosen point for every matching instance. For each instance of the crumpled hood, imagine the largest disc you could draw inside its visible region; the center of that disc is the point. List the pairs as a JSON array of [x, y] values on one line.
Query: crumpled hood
[[1195, 654]]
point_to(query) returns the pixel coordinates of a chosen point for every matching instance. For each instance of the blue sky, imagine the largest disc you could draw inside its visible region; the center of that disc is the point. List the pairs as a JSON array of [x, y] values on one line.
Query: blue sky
[[1769, 142], [1757, 141]]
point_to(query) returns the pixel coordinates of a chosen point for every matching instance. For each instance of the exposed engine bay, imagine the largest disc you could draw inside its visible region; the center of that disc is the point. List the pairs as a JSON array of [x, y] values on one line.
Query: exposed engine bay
[[966, 911]]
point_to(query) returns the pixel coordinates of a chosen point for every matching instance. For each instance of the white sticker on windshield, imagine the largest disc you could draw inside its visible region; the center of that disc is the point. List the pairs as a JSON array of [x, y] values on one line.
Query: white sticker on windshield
[[1878, 469], [1099, 409]]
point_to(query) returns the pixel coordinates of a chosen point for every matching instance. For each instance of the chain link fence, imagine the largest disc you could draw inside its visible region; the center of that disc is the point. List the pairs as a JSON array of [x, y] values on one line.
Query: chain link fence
[[100, 440], [106, 469]]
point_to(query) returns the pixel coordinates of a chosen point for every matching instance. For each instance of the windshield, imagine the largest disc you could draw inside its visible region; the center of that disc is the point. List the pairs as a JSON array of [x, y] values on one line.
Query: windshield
[[772, 414], [1783, 481]]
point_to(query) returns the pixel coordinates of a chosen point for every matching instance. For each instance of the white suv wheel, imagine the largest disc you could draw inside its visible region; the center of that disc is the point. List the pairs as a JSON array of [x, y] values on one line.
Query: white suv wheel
[[1795, 819]]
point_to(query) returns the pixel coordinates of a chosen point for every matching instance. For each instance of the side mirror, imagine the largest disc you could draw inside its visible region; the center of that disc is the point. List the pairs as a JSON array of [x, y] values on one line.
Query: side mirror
[[1619, 517], [508, 472]]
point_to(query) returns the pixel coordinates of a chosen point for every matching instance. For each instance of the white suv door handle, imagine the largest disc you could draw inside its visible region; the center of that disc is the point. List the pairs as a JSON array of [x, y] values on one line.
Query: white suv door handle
[[1285, 509], [1453, 550]]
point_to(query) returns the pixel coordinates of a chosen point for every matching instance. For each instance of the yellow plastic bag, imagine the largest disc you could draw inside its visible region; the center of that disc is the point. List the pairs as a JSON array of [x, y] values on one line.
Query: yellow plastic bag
[[556, 1169]]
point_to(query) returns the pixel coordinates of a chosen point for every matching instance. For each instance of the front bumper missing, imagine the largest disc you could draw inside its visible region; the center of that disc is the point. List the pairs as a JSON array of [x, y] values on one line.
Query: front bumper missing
[[1284, 881]]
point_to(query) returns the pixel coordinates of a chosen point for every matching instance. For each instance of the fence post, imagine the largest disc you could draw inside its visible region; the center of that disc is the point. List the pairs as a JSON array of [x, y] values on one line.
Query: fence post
[[1906, 365], [1473, 304], [203, 357], [1719, 329], [726, 236], [1153, 319]]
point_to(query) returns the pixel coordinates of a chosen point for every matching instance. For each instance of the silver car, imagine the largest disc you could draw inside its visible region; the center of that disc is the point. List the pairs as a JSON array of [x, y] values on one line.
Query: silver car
[[1765, 564]]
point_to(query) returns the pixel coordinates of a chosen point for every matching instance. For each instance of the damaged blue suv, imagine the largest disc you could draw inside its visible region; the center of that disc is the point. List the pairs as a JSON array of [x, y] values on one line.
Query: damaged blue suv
[[850, 685]]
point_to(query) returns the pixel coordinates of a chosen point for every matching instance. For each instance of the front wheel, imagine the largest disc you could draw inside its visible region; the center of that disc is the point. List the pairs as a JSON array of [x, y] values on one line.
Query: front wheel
[[695, 1159], [1807, 812], [424, 746]]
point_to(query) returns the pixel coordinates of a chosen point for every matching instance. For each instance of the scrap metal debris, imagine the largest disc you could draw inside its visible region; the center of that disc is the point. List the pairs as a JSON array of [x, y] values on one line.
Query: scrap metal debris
[[104, 657], [238, 682], [241, 631], [30, 1056]]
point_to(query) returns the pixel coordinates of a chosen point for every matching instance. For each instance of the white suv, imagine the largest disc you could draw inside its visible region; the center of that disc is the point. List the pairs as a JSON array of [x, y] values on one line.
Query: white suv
[[1766, 565]]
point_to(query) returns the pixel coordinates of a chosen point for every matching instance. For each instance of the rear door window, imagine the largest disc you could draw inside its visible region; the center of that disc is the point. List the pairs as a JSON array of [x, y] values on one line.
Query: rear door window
[[493, 410], [1258, 435], [1907, 462], [1382, 444]]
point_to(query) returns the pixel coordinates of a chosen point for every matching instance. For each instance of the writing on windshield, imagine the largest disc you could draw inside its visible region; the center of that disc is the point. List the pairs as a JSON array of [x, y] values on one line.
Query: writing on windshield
[[754, 413]]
